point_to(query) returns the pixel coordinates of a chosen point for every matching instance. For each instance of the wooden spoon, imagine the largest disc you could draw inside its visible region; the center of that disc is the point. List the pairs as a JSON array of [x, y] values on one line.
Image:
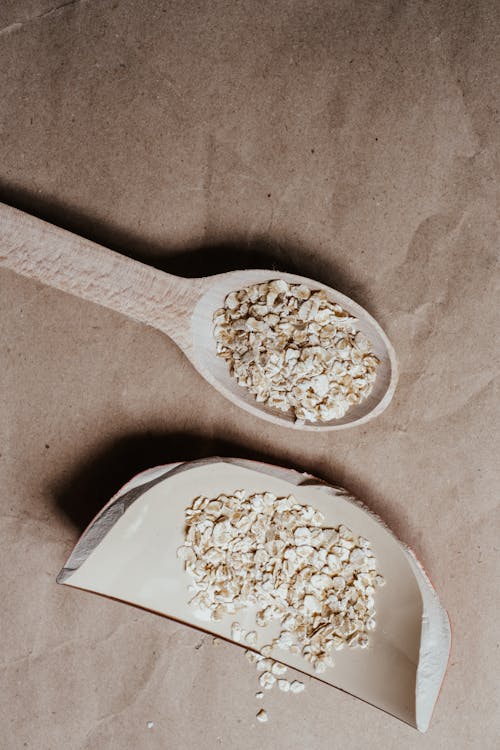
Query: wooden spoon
[[128, 552], [182, 308]]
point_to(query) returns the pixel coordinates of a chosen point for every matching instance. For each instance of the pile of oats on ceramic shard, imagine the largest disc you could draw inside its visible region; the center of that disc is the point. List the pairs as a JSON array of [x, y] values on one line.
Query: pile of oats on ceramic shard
[[257, 550], [295, 350]]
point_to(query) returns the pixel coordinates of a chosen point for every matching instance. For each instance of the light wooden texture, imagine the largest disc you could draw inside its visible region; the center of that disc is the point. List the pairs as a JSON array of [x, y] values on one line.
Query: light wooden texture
[[182, 308], [128, 552], [64, 260]]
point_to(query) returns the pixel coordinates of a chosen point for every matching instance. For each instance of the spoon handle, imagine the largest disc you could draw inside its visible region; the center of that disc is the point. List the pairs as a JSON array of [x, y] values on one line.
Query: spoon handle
[[72, 264]]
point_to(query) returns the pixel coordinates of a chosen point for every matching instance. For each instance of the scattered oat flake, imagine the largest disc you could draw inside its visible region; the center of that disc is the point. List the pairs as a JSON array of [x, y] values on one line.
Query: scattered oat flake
[[259, 695], [278, 669], [251, 638], [296, 686], [263, 665], [236, 631], [267, 680], [262, 715]]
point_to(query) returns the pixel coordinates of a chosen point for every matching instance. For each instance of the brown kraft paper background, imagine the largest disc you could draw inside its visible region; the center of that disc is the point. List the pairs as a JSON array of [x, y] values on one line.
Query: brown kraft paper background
[[352, 142]]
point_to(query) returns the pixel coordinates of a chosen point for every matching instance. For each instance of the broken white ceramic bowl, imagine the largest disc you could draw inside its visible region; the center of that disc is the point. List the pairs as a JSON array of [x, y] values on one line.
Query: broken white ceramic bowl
[[128, 552]]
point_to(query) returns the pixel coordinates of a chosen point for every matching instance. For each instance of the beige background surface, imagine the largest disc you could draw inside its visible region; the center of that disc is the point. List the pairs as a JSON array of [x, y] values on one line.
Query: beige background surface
[[354, 142]]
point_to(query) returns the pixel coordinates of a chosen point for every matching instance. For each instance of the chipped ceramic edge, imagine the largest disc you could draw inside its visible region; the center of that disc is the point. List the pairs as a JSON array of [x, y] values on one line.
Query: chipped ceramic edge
[[104, 521], [435, 646], [435, 637]]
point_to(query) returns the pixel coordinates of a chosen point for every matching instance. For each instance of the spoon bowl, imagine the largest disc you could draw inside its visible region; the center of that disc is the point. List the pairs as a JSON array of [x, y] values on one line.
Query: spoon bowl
[[215, 370], [182, 308]]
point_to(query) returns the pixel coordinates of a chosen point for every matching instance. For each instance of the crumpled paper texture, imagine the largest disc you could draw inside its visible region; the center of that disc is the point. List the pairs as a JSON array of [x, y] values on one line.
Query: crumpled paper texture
[[356, 143]]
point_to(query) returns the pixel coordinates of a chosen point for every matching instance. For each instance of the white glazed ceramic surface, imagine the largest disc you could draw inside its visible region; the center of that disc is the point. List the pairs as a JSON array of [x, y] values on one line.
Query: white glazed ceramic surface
[[129, 552]]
